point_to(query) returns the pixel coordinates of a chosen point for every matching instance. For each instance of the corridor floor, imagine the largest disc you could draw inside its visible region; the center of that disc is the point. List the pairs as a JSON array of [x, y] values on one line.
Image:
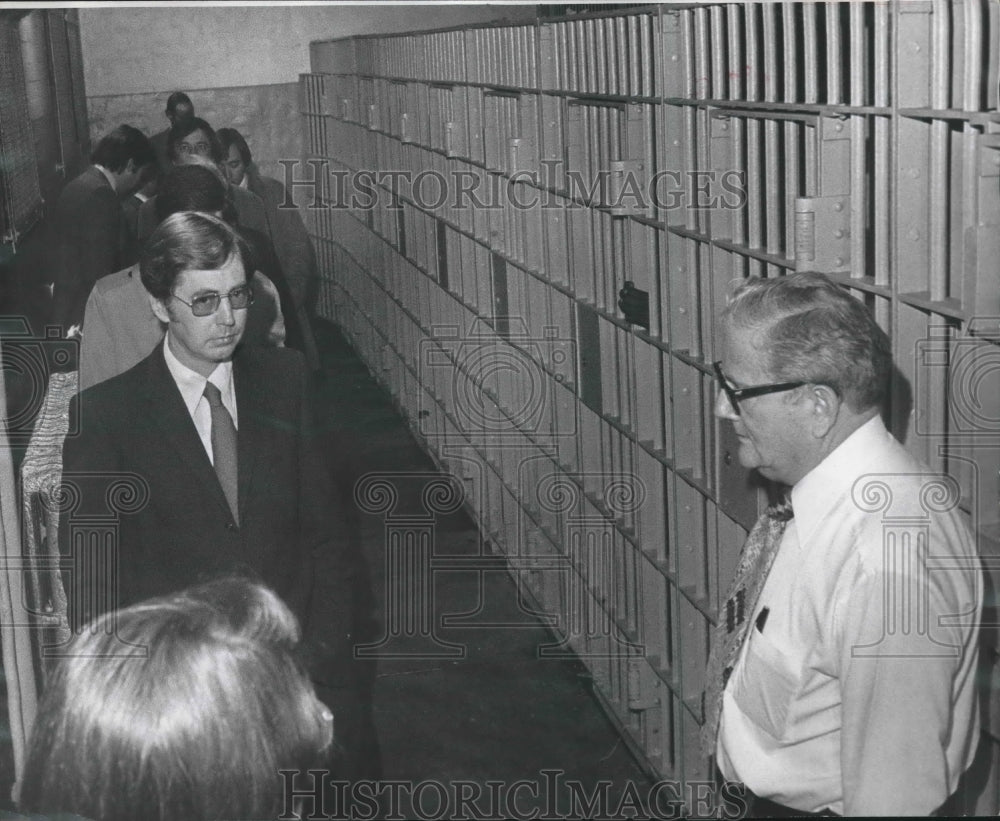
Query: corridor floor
[[475, 703]]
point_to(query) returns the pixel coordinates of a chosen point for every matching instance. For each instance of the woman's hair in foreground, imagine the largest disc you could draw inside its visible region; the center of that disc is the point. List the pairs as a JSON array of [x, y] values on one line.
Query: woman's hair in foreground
[[814, 331], [180, 708]]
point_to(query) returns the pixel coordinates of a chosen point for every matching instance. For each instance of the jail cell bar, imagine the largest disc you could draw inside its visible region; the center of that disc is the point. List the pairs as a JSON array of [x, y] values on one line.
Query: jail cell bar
[[676, 149]]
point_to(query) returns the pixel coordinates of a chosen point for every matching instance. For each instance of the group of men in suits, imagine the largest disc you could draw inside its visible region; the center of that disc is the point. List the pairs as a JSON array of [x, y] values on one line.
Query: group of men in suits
[[87, 226], [105, 215], [121, 328], [213, 430]]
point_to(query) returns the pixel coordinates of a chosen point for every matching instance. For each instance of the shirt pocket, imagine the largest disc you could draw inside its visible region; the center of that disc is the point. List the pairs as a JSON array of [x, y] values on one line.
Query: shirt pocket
[[766, 684]]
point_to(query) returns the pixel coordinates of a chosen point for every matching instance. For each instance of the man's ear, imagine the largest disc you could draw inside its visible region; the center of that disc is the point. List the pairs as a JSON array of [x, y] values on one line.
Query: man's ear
[[159, 309], [825, 408]]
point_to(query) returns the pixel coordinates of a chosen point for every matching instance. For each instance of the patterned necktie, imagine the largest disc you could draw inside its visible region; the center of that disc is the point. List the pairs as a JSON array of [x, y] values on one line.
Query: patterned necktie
[[224, 448], [755, 562]]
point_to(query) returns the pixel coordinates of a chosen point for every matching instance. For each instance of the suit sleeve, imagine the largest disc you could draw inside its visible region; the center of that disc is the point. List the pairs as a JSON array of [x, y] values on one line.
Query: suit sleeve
[[88, 460], [265, 321], [293, 244], [250, 212], [98, 347], [95, 251], [331, 551], [146, 220]]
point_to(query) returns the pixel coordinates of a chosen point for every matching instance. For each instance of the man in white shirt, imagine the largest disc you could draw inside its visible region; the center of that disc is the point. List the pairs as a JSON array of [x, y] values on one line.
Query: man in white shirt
[[852, 690]]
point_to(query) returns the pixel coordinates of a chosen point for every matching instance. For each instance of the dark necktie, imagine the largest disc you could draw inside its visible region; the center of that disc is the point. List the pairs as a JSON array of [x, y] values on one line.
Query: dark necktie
[[224, 448], [731, 630]]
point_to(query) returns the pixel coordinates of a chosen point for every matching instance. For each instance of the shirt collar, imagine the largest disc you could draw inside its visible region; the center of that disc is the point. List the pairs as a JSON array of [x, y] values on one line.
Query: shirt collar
[[244, 183], [108, 176], [191, 384], [820, 490]]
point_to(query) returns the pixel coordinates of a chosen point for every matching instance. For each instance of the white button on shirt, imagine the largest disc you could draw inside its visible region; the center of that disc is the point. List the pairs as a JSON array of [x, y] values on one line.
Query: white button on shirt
[[859, 696], [192, 387]]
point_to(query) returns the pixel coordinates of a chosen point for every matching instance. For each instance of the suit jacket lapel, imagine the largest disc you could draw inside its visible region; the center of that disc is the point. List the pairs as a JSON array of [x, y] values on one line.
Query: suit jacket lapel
[[180, 435]]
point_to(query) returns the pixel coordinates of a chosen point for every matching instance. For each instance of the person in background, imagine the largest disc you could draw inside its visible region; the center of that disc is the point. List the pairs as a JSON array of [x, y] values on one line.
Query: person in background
[[87, 226], [263, 255], [130, 210], [220, 436], [291, 240], [842, 673], [179, 109], [180, 708], [120, 328], [193, 141]]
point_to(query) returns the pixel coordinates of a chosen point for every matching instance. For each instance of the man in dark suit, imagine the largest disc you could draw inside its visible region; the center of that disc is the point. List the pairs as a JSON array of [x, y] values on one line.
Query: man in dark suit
[[130, 212], [87, 227], [119, 327], [217, 437], [292, 244], [179, 109]]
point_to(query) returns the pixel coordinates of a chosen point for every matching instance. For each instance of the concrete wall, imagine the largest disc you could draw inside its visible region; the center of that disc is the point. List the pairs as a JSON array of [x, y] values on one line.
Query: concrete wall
[[239, 65], [138, 50], [267, 115]]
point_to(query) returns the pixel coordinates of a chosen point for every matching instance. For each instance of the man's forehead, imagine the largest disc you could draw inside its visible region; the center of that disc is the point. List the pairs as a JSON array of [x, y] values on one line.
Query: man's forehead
[[232, 273]]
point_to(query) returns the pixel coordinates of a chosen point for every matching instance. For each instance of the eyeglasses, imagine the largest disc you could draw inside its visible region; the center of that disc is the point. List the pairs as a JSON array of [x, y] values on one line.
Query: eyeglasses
[[196, 148], [736, 394], [239, 298]]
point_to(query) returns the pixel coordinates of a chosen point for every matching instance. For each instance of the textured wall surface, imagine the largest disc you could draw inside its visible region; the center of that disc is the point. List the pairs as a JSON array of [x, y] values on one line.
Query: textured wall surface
[[266, 115], [135, 50]]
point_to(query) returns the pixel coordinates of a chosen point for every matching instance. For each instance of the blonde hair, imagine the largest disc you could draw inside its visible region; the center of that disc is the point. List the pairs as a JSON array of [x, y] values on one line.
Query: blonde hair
[[180, 708]]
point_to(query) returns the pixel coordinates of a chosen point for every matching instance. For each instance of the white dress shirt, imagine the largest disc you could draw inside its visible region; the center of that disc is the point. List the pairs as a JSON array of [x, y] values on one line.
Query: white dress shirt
[[192, 387], [859, 695]]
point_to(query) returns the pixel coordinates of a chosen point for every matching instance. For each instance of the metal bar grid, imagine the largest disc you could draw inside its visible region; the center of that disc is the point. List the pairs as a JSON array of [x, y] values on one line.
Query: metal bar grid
[[845, 139]]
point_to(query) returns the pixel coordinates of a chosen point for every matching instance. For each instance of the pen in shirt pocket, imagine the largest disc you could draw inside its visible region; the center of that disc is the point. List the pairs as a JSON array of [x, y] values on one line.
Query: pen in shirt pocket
[[762, 619]]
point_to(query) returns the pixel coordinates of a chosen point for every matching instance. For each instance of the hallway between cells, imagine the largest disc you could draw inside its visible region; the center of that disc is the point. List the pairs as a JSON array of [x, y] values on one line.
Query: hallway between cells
[[466, 698], [467, 709]]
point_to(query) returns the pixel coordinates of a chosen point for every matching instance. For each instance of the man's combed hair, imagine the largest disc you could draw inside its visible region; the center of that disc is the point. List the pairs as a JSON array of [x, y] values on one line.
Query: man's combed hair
[[187, 241], [181, 708], [814, 331], [121, 145]]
